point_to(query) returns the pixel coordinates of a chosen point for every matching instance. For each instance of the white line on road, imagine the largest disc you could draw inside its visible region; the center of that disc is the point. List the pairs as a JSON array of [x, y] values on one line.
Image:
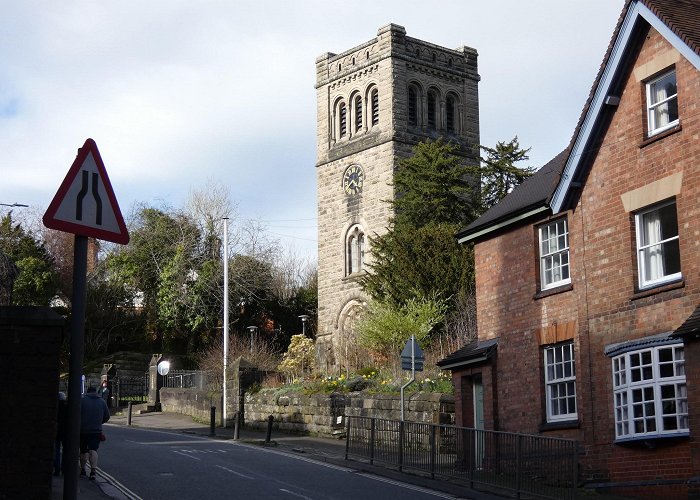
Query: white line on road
[[111, 481], [186, 455], [406, 485], [296, 494], [192, 442], [236, 473]]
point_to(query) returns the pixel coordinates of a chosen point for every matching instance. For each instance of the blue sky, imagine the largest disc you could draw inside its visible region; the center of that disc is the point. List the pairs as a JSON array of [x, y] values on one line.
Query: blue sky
[[179, 93]]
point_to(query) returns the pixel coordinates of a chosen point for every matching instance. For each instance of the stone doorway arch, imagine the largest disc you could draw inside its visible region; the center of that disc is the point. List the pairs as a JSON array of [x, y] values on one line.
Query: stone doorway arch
[[349, 355]]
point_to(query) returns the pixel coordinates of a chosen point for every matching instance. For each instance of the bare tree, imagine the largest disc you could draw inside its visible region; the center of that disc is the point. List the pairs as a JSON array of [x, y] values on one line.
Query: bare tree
[[291, 273], [460, 325]]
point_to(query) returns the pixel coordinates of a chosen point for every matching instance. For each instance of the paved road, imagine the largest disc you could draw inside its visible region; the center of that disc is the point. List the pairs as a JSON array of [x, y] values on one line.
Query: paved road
[[155, 465]]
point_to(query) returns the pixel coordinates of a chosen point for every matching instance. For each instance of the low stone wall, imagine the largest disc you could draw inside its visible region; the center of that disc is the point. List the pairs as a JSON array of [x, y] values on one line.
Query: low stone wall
[[193, 402], [318, 414], [423, 407], [324, 414]]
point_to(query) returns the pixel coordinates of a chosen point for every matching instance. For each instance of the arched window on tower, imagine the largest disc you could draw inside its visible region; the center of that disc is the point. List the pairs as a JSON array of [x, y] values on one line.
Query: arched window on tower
[[355, 244], [374, 97], [412, 106], [342, 120], [432, 110], [451, 114], [358, 113]]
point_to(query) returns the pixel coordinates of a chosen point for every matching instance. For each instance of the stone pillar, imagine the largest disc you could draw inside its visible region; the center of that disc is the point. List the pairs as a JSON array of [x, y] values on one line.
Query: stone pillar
[[155, 381]]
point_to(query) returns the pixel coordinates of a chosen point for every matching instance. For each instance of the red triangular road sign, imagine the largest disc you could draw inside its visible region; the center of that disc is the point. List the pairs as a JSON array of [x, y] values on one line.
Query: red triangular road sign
[[85, 203]]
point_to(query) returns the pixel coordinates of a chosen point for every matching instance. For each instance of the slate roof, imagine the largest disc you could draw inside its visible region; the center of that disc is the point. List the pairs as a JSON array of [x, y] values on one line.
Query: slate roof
[[659, 339], [683, 18], [534, 192], [691, 326], [470, 353]]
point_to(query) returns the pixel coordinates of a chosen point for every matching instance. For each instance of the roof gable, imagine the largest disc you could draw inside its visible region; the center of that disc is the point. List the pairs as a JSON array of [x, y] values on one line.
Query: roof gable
[[678, 21], [682, 32]]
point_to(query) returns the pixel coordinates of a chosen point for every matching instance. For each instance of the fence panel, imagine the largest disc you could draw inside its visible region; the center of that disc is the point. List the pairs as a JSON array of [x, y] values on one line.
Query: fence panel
[[184, 379], [525, 464]]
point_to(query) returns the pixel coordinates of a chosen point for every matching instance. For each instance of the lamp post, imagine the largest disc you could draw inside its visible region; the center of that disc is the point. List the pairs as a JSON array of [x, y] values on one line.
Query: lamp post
[[252, 330], [225, 256], [304, 318]]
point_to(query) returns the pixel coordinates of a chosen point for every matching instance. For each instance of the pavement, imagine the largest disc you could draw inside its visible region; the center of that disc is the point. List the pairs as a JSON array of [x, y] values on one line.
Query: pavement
[[316, 448]]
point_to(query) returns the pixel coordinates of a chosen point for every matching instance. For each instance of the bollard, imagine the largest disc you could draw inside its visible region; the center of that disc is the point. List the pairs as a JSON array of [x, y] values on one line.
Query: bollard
[[236, 430], [128, 418], [212, 421], [269, 428]]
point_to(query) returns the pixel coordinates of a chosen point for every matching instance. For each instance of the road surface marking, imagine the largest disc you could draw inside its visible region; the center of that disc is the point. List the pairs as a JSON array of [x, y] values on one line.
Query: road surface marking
[[236, 473]]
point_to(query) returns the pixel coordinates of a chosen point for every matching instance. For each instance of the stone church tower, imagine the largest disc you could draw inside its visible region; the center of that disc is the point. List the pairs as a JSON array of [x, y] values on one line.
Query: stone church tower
[[374, 103]]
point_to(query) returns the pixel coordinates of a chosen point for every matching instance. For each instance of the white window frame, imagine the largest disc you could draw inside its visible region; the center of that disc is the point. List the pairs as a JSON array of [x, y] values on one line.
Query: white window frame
[[653, 105], [552, 255], [646, 278], [647, 382], [560, 382]]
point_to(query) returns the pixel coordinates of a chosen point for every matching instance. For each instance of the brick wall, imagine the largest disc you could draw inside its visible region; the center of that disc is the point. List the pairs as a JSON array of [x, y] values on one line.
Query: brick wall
[[603, 305], [30, 342]]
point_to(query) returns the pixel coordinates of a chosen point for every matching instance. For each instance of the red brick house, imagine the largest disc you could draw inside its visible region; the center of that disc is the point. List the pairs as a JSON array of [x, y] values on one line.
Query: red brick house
[[588, 274]]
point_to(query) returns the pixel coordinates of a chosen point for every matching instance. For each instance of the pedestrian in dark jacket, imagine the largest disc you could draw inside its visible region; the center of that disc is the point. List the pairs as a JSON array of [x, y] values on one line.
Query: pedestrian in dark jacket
[[61, 430], [103, 392], [93, 413]]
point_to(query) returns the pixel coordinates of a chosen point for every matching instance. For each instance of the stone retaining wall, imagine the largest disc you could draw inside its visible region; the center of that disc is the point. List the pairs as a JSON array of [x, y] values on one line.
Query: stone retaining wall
[[324, 414], [194, 402], [318, 414]]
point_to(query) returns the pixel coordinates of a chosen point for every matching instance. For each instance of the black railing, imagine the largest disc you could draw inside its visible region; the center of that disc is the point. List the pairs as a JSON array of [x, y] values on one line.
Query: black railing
[[127, 389], [185, 379], [524, 464]]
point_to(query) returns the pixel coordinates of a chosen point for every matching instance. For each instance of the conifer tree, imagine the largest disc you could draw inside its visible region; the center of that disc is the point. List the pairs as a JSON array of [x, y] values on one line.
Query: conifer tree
[[499, 174]]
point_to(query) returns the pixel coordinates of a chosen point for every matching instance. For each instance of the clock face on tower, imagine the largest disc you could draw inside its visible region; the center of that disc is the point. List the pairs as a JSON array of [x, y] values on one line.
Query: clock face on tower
[[353, 178]]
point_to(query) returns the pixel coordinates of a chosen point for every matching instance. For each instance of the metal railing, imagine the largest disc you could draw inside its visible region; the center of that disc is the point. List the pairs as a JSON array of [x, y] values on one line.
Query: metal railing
[[130, 389], [524, 464], [185, 379]]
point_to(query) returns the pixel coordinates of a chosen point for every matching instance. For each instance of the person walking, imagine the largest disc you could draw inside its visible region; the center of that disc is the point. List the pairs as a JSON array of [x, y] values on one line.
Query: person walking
[[61, 431], [103, 392], [93, 413]]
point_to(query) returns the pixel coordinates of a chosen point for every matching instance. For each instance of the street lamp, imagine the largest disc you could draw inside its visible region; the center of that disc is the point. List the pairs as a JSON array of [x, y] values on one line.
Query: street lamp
[[252, 330], [304, 318], [225, 256]]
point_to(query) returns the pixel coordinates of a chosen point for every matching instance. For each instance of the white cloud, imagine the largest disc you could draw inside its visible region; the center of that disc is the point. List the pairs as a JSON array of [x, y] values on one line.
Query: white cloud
[[176, 92]]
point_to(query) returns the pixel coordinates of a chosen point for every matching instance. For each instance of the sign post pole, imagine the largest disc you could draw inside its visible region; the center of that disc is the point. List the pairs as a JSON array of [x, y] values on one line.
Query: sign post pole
[[85, 206], [411, 359], [75, 368]]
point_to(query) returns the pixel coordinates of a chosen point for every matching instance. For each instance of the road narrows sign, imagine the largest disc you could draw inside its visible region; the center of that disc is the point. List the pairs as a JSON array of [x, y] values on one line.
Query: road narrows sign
[[85, 203]]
